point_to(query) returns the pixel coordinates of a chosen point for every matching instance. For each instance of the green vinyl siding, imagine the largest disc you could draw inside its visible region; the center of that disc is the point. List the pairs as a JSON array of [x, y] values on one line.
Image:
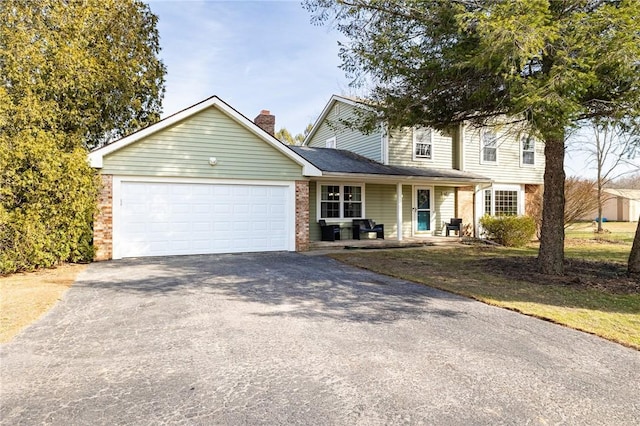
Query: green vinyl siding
[[184, 149], [401, 150], [369, 146], [381, 207], [445, 208], [314, 228], [507, 169]]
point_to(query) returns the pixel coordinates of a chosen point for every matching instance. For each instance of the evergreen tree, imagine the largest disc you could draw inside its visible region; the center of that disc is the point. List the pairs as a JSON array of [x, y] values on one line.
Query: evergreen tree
[[549, 64], [73, 75]]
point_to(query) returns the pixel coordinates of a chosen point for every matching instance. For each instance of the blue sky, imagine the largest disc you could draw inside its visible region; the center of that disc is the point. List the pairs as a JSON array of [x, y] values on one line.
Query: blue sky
[[259, 55], [253, 54]]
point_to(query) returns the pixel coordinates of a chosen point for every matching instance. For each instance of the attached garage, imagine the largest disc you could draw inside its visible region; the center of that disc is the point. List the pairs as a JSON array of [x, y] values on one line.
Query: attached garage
[[205, 180], [163, 218]]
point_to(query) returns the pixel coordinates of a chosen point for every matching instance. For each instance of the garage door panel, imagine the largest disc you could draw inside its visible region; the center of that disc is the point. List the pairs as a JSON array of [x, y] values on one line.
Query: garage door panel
[[180, 208], [175, 218], [222, 209]]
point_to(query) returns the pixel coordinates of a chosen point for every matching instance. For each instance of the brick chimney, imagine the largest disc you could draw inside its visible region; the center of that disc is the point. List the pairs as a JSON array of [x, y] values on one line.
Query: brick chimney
[[266, 121]]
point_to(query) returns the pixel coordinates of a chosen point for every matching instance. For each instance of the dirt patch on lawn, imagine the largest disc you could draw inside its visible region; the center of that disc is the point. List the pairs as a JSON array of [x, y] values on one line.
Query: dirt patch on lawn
[[604, 276], [25, 297]]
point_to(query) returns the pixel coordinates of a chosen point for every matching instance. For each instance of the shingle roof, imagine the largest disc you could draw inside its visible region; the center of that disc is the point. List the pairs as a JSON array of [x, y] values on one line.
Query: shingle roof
[[341, 161]]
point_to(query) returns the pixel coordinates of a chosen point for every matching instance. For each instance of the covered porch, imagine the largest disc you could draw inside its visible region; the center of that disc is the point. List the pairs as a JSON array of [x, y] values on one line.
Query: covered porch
[[410, 202], [373, 244], [411, 211]]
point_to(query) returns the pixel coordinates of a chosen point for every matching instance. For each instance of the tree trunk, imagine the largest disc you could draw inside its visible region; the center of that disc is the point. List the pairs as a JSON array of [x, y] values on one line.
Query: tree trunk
[[551, 256], [600, 165], [599, 219], [633, 268]]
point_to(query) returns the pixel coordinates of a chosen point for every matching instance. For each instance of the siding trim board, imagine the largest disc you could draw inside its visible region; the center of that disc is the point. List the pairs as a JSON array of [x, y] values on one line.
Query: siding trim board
[[405, 179]]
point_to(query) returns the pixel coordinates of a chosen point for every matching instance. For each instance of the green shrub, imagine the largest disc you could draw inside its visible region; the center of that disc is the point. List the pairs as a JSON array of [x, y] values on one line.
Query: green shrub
[[47, 202], [510, 231]]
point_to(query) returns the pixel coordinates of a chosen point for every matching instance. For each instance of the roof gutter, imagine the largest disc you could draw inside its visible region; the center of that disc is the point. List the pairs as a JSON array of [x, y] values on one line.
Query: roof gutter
[[400, 178]]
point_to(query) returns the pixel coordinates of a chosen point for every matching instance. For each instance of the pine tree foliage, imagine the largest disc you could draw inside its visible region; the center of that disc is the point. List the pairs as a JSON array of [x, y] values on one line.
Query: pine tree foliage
[[88, 69], [73, 75]]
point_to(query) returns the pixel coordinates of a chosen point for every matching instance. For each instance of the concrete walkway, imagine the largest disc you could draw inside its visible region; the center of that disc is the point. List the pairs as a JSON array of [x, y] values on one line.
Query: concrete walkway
[[284, 338]]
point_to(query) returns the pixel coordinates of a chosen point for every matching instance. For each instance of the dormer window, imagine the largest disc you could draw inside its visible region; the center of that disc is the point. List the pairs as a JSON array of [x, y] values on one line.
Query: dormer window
[[528, 147], [489, 147], [331, 143], [422, 144]]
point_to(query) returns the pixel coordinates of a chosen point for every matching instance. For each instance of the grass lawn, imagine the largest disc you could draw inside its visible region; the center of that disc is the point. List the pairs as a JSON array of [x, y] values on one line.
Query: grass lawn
[[612, 231], [25, 297], [593, 296]]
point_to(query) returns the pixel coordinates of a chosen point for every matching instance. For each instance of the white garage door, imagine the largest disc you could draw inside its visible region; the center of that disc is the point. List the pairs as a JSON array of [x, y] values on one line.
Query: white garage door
[[157, 219]]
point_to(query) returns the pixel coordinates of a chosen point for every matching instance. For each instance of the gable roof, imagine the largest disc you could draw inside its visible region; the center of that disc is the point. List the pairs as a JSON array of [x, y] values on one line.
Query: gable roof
[[631, 194], [339, 162], [96, 156], [334, 99]]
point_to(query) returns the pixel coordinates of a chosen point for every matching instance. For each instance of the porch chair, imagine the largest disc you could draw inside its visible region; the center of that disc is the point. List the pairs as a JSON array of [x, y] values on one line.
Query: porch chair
[[329, 232], [454, 224], [367, 225]]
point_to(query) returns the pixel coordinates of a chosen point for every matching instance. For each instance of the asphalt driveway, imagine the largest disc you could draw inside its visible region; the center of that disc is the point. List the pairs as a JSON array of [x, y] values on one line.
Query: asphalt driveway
[[285, 338]]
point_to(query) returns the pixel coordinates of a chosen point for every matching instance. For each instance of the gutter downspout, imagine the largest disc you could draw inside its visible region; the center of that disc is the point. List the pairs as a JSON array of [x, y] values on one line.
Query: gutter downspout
[[476, 219], [399, 209]]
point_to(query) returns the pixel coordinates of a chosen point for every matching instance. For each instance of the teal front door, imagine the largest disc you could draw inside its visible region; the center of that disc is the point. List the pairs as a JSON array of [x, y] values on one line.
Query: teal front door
[[423, 210]]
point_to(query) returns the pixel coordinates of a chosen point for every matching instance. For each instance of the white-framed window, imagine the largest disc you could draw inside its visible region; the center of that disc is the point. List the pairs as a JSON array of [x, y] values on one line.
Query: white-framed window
[[528, 151], [341, 201], [503, 201], [422, 144], [488, 147], [331, 143]]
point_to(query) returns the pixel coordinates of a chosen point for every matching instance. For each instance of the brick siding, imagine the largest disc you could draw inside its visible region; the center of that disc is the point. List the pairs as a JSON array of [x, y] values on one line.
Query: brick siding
[[464, 208], [302, 215], [103, 221], [532, 200]]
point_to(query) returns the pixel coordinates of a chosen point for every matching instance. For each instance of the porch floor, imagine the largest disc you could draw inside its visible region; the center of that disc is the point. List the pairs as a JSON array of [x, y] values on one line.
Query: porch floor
[[320, 247]]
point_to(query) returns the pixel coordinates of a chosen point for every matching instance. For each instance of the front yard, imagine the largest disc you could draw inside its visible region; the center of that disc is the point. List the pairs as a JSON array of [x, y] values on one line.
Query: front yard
[[593, 296], [24, 297], [612, 231]]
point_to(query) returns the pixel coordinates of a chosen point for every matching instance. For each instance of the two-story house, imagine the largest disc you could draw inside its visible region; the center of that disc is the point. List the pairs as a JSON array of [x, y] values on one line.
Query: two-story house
[[209, 180], [416, 179]]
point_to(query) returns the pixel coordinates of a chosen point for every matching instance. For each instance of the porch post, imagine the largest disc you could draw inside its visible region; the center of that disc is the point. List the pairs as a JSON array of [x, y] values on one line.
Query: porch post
[[399, 209]]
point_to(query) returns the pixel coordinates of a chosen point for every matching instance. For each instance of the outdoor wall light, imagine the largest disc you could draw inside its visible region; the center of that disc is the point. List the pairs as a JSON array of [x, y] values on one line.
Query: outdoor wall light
[[213, 161]]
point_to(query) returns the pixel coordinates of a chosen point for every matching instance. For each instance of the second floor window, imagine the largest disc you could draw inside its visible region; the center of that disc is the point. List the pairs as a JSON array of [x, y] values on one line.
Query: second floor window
[[331, 142], [489, 145], [422, 144], [528, 150]]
